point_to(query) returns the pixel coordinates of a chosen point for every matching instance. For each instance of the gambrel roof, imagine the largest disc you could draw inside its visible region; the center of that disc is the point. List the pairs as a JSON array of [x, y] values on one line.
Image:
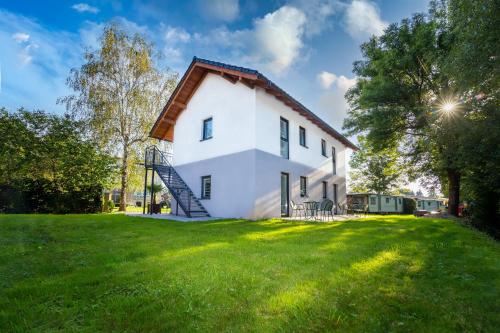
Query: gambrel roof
[[164, 126]]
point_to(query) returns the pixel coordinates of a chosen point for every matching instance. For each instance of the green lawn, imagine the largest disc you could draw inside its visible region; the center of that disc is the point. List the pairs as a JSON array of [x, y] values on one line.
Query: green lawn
[[120, 273]]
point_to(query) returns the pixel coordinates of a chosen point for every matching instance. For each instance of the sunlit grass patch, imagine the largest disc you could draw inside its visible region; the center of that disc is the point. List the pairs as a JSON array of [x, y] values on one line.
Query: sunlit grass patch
[[113, 272]]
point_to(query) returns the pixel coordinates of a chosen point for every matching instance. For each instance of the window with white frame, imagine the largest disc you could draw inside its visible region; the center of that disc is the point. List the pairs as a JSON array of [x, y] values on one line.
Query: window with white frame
[[206, 187]]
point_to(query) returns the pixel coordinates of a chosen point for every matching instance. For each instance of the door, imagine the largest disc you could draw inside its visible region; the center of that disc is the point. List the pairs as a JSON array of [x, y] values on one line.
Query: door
[[284, 194]]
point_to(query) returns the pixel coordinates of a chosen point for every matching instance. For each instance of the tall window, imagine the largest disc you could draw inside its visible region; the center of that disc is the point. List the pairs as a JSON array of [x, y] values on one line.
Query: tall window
[[284, 138], [302, 136], [335, 198], [325, 190], [387, 200], [207, 129], [334, 160], [373, 201], [323, 147], [206, 187], [303, 186]]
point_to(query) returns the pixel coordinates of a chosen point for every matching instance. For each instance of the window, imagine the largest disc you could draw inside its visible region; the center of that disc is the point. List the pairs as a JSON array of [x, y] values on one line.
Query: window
[[323, 147], [428, 203], [334, 161], [325, 190], [303, 186], [372, 201], [399, 201], [207, 129], [335, 192], [206, 187], [284, 138], [387, 200], [302, 136]]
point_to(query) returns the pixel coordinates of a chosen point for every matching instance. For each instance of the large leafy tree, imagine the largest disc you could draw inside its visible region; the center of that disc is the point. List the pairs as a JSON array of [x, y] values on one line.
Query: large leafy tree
[[403, 99], [119, 91], [474, 63], [47, 164], [375, 170]]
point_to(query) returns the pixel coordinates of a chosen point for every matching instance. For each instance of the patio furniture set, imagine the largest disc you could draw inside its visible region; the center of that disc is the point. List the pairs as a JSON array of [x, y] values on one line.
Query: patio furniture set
[[314, 210]]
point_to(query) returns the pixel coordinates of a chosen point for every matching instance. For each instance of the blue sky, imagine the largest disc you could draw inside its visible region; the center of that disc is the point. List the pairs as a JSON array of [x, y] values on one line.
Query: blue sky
[[306, 46]]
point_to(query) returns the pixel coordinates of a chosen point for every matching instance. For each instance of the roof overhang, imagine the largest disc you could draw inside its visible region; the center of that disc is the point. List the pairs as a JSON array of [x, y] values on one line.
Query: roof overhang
[[163, 128]]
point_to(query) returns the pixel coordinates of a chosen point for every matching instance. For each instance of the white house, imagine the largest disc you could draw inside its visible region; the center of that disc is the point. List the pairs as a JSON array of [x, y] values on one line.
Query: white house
[[244, 147]]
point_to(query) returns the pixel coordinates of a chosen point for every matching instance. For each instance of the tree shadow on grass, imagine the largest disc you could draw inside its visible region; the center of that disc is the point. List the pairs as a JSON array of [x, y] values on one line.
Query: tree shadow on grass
[[235, 275]]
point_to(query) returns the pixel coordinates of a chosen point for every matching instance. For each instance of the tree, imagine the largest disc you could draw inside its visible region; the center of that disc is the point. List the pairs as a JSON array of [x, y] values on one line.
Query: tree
[[374, 170], [47, 164], [119, 91], [402, 99], [474, 64]]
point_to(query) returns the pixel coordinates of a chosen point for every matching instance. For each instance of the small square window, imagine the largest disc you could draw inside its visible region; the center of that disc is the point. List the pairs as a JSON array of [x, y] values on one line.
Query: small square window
[[302, 136], [323, 147], [206, 187], [303, 186], [207, 129]]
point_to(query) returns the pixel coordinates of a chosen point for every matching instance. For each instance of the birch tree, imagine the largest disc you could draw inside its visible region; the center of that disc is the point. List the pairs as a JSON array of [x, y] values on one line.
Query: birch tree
[[119, 91]]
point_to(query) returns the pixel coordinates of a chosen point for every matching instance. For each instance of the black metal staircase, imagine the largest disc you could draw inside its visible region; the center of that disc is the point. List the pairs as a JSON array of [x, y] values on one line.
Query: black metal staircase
[[159, 162]]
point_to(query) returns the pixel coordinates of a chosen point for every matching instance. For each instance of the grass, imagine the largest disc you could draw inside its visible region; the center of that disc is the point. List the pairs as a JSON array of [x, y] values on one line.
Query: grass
[[119, 273]]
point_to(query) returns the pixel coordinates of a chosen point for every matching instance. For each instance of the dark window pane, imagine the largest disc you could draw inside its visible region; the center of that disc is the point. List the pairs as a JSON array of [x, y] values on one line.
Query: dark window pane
[[284, 149], [302, 136], [325, 190], [206, 187], [207, 128], [334, 160], [303, 186], [323, 147]]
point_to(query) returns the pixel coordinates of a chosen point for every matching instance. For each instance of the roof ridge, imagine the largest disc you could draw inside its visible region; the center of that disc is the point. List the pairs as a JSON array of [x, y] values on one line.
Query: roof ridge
[[270, 82]]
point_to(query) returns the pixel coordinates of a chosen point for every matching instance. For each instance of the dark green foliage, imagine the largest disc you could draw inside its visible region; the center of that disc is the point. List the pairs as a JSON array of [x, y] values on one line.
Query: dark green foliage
[[108, 206], [409, 206], [406, 77], [47, 165]]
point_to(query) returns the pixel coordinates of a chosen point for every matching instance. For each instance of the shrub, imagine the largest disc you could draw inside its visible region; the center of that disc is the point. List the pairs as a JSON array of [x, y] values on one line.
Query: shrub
[[409, 205]]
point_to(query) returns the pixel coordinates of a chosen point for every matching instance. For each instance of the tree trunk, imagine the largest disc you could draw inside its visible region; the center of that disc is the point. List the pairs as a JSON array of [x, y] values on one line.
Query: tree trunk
[[453, 191], [124, 184]]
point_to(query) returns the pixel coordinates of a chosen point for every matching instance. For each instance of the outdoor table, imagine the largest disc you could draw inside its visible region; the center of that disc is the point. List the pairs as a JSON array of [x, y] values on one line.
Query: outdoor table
[[312, 207]]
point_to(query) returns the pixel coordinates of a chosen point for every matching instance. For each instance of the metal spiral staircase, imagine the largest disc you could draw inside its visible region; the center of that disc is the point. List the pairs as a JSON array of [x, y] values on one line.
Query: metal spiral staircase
[[160, 162]]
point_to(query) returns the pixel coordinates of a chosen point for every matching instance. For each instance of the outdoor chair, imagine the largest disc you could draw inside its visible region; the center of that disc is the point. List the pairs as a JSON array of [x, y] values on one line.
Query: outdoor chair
[[297, 209], [341, 209], [310, 209], [326, 208]]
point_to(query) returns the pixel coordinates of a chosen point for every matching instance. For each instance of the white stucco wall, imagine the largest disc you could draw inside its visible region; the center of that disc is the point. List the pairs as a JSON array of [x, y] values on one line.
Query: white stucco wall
[[232, 108], [268, 113], [243, 156]]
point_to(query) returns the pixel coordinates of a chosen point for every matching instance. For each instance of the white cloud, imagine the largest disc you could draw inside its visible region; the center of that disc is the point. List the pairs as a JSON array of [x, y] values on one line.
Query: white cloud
[[21, 37], [317, 13], [278, 38], [175, 35], [332, 103], [34, 71], [220, 10], [362, 20], [326, 79], [84, 7]]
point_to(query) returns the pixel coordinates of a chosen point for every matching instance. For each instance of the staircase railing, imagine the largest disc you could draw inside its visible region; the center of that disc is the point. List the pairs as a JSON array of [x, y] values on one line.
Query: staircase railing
[[155, 158]]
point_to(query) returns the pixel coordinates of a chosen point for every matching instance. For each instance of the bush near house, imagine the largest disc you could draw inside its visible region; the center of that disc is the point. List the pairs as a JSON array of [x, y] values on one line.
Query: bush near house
[[409, 206], [49, 165]]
